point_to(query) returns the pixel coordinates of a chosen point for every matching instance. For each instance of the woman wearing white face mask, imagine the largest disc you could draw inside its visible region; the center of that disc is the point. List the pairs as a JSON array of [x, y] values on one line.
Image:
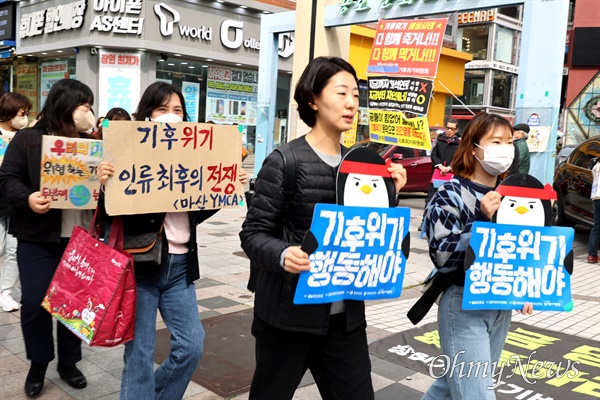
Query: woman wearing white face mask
[[168, 287], [480, 163], [43, 232], [14, 111]]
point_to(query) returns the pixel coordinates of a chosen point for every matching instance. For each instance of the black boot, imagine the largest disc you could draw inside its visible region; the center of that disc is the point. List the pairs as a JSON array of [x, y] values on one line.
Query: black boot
[[72, 375], [34, 383]]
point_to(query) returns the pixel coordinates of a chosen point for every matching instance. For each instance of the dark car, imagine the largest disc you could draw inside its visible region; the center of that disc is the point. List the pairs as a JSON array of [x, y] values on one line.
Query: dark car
[[417, 163], [573, 185]]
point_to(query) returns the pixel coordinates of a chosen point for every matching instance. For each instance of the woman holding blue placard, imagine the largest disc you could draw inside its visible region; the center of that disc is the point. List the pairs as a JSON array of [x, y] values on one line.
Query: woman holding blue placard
[[468, 336], [42, 232], [329, 339], [167, 286]]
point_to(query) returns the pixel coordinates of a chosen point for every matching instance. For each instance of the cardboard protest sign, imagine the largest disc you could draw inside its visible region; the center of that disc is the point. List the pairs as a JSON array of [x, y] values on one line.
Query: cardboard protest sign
[[358, 248], [520, 258], [407, 47], [172, 167], [392, 127], [4, 141], [68, 171], [400, 94]]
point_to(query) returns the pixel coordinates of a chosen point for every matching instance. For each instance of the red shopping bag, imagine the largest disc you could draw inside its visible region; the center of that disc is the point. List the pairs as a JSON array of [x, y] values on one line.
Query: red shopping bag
[[93, 290]]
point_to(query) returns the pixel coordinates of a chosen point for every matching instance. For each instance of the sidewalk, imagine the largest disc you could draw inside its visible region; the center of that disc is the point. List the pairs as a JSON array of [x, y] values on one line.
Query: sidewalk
[[222, 290]]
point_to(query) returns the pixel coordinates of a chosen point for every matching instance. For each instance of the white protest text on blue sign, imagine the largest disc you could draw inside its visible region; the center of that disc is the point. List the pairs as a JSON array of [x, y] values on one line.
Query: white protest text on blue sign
[[359, 255], [516, 264]]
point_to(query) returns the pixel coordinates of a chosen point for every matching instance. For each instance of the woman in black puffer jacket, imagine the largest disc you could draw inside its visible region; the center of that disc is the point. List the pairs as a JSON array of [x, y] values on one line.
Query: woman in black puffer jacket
[[329, 339]]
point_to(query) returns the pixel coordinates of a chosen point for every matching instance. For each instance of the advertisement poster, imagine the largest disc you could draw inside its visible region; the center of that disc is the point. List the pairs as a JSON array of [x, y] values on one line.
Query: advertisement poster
[[68, 171], [231, 96], [409, 47], [349, 137], [118, 81], [27, 83], [392, 127], [538, 138], [164, 167], [400, 94], [359, 256], [52, 72], [191, 95], [515, 264]]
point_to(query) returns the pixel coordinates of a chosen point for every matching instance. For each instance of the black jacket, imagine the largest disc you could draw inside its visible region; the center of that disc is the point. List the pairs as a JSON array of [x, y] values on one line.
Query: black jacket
[[267, 232], [19, 178], [153, 223], [444, 150]]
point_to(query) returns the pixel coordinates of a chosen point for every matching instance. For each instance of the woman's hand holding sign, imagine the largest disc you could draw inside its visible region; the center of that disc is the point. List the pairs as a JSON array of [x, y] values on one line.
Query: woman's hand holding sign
[[104, 171], [295, 260]]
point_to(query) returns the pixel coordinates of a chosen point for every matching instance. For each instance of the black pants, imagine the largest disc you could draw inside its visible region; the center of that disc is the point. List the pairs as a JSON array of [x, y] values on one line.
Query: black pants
[[37, 263], [339, 362]]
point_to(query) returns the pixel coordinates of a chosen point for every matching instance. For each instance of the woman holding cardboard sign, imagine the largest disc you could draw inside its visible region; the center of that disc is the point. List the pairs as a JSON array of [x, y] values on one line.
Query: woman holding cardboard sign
[[168, 284], [43, 232]]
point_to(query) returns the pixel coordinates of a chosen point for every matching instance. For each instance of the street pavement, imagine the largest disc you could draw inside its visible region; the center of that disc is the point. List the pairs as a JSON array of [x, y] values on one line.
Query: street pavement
[[222, 290]]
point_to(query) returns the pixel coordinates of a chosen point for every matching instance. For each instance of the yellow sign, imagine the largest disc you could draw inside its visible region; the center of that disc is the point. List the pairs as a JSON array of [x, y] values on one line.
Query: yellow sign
[[392, 127], [172, 167], [477, 16], [349, 137]]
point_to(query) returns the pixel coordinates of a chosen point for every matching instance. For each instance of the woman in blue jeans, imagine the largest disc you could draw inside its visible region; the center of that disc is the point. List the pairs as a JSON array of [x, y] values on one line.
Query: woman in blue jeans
[[466, 336], [168, 287]]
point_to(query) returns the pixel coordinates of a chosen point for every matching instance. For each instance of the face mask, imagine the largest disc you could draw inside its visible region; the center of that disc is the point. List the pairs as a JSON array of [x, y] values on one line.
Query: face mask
[[19, 122], [84, 120], [496, 159], [168, 118]]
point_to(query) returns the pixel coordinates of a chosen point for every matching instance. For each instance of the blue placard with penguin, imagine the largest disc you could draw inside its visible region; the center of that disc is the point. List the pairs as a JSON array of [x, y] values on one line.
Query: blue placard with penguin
[[357, 248], [519, 257]]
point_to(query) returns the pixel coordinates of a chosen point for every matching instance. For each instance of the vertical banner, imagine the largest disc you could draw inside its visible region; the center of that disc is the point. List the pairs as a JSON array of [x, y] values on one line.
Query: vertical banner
[[407, 47], [51, 73], [191, 95], [349, 137], [164, 167], [392, 127], [231, 96], [118, 81], [68, 171], [27, 83]]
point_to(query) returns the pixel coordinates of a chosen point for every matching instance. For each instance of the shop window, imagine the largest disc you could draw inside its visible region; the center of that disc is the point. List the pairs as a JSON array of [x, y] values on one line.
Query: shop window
[[474, 87], [474, 40], [504, 45], [186, 74], [512, 12], [502, 89]]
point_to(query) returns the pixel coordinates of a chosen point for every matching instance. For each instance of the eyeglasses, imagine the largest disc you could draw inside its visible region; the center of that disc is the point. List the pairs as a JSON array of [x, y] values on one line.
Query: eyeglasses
[[451, 129]]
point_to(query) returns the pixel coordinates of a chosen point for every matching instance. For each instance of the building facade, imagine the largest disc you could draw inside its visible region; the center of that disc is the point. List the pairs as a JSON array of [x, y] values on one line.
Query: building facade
[[492, 37], [208, 49]]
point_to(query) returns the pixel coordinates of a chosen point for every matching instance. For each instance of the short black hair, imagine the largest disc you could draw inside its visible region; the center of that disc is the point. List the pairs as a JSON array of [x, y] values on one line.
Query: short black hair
[[314, 78], [117, 112]]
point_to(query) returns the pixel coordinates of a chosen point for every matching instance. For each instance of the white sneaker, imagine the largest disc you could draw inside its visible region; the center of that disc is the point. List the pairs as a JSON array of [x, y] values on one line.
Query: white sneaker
[[7, 303]]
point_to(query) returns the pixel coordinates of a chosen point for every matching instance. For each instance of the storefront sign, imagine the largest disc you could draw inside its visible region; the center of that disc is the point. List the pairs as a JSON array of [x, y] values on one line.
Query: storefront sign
[[365, 5], [118, 16], [400, 94], [482, 64], [119, 81], [231, 96], [391, 127], [407, 47], [477, 16], [52, 72], [163, 167], [53, 19], [7, 22], [68, 172]]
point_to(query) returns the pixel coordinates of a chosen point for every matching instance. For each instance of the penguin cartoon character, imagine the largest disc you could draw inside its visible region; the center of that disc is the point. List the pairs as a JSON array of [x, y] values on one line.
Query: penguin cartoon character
[[364, 180], [525, 201]]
